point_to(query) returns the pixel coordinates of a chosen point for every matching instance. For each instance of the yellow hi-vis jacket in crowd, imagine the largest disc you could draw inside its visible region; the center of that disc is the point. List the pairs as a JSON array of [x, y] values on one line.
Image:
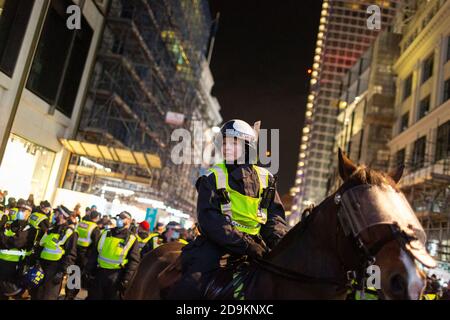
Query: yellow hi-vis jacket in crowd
[[112, 251], [13, 255], [84, 230], [53, 247]]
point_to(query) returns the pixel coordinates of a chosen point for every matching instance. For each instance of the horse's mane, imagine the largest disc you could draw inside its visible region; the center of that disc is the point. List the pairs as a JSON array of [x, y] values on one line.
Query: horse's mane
[[365, 175]]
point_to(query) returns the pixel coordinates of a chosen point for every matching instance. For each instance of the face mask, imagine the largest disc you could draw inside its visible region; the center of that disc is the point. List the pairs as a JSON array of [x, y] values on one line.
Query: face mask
[[106, 227], [119, 223], [20, 215], [175, 235]]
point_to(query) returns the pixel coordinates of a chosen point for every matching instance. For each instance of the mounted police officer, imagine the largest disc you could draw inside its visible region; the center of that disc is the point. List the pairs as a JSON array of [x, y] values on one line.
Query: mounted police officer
[[237, 215], [57, 251], [112, 266], [16, 243]]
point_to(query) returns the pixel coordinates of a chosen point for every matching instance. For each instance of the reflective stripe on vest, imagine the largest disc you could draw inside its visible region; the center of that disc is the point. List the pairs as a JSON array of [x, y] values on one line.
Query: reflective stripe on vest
[[243, 211], [12, 255], [84, 230], [111, 254], [36, 218], [53, 247]]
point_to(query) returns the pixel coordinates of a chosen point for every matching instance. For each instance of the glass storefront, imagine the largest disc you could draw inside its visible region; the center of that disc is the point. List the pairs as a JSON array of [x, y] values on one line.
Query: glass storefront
[[25, 169]]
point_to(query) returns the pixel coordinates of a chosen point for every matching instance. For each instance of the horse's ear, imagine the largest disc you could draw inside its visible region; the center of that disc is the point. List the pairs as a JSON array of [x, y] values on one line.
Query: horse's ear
[[346, 166], [397, 175]]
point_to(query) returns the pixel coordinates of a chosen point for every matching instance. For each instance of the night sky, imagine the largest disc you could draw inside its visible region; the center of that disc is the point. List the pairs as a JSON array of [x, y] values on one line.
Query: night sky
[[262, 52]]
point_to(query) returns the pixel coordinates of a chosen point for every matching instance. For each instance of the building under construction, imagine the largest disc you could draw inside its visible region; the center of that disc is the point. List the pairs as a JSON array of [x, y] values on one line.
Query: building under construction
[[421, 133], [151, 65]]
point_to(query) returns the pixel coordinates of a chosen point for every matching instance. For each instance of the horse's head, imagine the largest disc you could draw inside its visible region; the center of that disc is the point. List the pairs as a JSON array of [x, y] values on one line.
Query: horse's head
[[376, 218]]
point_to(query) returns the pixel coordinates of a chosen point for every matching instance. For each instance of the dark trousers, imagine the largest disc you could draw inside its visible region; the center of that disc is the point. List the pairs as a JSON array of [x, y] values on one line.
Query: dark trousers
[[105, 285], [200, 259], [49, 289], [81, 262], [8, 274]]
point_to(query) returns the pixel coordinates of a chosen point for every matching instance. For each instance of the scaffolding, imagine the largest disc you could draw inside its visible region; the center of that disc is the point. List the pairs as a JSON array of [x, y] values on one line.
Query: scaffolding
[[426, 184], [149, 63]]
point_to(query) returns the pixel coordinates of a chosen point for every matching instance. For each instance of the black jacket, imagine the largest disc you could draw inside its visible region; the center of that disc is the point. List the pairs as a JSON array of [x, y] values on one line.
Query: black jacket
[[70, 246], [23, 238], [133, 255], [214, 225]]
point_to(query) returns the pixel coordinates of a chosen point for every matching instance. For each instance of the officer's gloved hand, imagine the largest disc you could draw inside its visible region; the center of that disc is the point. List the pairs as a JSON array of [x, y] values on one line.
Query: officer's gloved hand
[[255, 250], [15, 227], [58, 278]]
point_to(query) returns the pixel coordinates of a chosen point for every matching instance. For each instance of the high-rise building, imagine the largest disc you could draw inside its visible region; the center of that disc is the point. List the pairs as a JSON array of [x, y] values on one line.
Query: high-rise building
[[421, 133], [345, 32]]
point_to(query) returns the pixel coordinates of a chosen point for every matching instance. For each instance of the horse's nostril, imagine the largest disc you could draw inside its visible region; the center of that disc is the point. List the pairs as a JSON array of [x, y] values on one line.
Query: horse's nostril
[[398, 285]]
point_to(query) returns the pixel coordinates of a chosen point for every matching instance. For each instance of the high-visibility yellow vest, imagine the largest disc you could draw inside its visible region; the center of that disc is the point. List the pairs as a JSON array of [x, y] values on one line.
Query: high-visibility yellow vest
[[53, 247], [243, 211], [182, 241], [369, 294], [430, 296], [13, 255], [113, 251], [13, 214], [156, 240], [143, 241], [36, 218], [84, 230]]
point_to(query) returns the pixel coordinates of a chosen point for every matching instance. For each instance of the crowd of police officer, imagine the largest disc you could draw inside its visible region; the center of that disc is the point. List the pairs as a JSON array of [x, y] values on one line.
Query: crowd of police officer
[[39, 245]]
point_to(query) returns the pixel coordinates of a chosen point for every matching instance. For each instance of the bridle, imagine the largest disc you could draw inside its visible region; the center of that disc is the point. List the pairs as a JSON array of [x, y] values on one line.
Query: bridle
[[366, 253]]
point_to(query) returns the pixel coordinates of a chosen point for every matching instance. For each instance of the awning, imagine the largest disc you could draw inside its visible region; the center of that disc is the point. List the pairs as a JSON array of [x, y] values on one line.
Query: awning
[[103, 152]]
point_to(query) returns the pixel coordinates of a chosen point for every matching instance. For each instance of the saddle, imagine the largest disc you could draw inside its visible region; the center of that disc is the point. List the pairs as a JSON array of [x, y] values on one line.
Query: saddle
[[229, 281]]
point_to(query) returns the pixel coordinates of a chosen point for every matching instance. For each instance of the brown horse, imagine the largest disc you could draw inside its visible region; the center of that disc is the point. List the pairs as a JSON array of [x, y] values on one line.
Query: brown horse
[[357, 226]]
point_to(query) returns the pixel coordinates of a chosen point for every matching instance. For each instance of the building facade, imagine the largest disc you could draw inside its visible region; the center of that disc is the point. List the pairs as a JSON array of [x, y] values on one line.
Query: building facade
[[366, 107], [343, 37], [42, 89], [421, 134]]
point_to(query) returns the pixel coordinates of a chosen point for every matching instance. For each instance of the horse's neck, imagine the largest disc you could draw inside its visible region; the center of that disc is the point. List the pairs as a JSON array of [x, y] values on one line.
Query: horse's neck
[[312, 251]]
